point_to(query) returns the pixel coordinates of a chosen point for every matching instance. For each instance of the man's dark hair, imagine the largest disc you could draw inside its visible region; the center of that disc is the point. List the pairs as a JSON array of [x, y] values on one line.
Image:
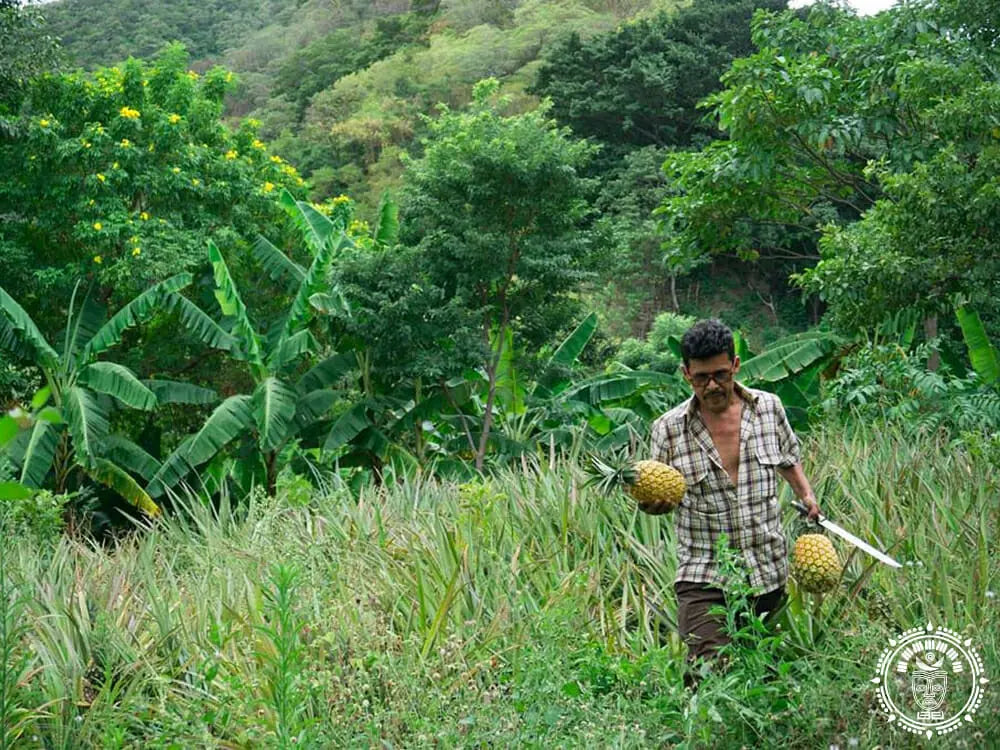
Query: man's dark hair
[[705, 339]]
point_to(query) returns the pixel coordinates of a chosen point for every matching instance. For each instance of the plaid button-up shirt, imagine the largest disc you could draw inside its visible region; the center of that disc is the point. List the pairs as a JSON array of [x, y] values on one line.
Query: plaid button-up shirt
[[747, 513]]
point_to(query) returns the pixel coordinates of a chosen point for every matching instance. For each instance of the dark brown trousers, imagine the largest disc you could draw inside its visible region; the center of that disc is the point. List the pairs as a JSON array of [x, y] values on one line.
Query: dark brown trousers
[[703, 632]]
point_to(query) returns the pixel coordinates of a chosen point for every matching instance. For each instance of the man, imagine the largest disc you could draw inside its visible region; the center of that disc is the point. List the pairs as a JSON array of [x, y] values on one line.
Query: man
[[728, 441]]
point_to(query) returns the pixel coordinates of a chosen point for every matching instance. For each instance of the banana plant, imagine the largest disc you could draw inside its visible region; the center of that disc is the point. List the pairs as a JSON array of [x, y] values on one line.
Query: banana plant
[[284, 407], [72, 434], [983, 354]]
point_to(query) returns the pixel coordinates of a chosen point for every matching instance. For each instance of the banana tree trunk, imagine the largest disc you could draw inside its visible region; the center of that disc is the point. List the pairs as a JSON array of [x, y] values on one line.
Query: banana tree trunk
[[930, 332]]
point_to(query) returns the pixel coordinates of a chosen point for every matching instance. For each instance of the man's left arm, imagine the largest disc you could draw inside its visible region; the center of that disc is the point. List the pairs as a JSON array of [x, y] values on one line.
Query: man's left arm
[[791, 465], [800, 486]]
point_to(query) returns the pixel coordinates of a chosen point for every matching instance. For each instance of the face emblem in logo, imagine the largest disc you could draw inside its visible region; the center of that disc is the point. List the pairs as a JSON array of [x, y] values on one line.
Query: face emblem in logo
[[930, 680]]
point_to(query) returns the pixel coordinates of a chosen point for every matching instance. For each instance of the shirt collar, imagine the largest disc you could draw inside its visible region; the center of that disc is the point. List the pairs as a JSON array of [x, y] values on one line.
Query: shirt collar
[[746, 394]]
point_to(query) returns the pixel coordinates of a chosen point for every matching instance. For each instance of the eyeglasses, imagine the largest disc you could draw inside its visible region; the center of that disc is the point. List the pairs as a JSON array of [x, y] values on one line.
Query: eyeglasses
[[719, 376]]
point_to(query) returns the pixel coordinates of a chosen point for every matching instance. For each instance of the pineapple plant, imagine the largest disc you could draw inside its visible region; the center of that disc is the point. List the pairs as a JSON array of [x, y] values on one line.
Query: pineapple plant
[[656, 487], [815, 564]]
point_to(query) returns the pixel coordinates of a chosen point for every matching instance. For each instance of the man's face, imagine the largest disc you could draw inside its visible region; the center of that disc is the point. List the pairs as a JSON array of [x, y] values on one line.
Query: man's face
[[705, 375]]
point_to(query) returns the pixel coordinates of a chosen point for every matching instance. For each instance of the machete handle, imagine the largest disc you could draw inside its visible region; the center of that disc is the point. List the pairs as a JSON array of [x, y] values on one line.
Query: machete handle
[[801, 508]]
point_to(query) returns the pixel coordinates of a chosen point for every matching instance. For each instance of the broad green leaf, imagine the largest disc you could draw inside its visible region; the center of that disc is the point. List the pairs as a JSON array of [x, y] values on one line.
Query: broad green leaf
[[14, 491], [313, 407], [291, 348], [387, 229], [232, 306], [112, 476], [118, 382], [38, 454], [299, 312], [509, 389], [788, 356], [328, 372], [123, 452], [8, 429], [347, 427], [329, 304], [575, 343], [201, 324], [20, 322], [173, 392], [41, 398], [139, 310], [273, 411], [983, 355], [229, 419], [316, 228], [88, 423], [278, 266]]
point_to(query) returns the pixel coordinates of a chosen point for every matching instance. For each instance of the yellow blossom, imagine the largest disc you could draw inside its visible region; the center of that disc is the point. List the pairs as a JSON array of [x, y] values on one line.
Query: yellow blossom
[[98, 259], [128, 113], [176, 170], [115, 165], [134, 239], [144, 216], [340, 199], [126, 143], [86, 144], [357, 227], [98, 226], [229, 77], [299, 181], [289, 170], [276, 159], [257, 143], [150, 149], [43, 122], [135, 252], [231, 154], [101, 177], [253, 123], [268, 187], [90, 202], [174, 119], [195, 181], [192, 75]]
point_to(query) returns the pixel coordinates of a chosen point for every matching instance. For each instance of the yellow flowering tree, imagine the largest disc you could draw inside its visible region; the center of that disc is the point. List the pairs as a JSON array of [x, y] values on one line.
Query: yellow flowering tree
[[124, 175]]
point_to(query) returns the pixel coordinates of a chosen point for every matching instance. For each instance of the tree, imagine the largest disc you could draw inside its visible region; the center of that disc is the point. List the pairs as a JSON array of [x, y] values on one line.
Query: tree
[[289, 396], [874, 137], [74, 433], [640, 84], [25, 51], [495, 204], [122, 176]]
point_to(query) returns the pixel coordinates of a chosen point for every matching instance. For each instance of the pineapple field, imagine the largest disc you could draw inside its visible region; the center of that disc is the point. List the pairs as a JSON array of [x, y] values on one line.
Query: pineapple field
[[333, 335], [523, 610]]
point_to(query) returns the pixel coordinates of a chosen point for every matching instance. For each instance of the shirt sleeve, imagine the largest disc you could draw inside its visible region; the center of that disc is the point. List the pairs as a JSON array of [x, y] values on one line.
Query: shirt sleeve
[[788, 441], [661, 450]]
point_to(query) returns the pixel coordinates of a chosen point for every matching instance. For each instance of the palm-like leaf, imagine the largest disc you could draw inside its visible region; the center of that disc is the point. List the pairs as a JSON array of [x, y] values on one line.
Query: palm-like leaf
[[114, 477], [387, 230], [278, 266], [232, 306], [291, 348], [126, 454], [789, 355], [983, 355], [316, 228], [39, 449], [87, 422], [201, 325], [347, 427], [328, 372], [139, 310], [19, 323], [229, 419], [118, 382], [173, 392], [299, 312], [273, 411]]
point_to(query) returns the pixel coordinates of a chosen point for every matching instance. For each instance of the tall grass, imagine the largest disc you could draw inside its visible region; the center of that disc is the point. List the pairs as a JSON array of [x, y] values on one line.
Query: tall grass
[[517, 610]]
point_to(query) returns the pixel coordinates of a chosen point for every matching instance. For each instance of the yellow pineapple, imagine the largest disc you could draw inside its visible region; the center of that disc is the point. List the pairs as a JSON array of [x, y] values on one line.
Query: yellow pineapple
[[815, 564], [657, 488]]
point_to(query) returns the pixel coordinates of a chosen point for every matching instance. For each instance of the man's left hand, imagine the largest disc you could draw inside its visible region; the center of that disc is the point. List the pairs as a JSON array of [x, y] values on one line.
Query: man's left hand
[[813, 508]]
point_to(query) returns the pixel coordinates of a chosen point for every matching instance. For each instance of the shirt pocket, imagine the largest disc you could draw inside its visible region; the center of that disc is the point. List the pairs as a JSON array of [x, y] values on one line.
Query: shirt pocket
[[767, 460], [703, 496]]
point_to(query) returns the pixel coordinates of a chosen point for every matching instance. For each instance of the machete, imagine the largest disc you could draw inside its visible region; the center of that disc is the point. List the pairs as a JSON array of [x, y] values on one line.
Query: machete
[[826, 523]]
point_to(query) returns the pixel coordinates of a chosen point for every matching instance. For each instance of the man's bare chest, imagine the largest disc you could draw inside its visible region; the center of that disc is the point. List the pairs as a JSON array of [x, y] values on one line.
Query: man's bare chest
[[725, 433]]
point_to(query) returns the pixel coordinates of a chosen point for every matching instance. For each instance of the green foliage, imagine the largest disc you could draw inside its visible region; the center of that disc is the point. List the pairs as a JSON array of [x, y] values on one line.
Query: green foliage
[[639, 84], [123, 175], [74, 434], [26, 49], [291, 391]]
